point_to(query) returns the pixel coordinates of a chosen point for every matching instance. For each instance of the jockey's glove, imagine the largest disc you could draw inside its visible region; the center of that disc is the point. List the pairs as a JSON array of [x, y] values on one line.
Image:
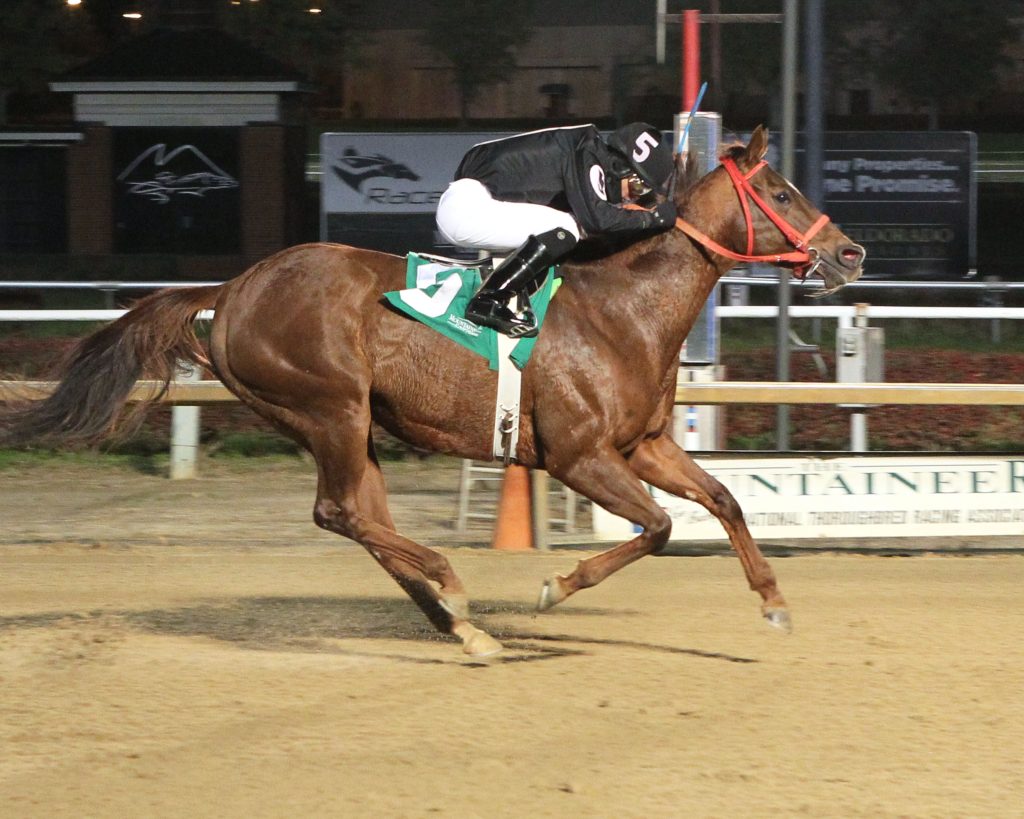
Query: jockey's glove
[[664, 215]]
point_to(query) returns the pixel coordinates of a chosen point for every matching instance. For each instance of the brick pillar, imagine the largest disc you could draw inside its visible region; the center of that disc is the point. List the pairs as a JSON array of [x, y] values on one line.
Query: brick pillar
[[264, 191], [90, 191]]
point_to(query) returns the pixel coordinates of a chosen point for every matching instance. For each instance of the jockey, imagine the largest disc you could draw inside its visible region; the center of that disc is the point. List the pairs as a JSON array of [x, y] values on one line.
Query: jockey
[[538, 194]]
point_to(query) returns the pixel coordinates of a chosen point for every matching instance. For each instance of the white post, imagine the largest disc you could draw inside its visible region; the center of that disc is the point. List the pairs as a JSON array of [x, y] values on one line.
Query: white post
[[858, 431], [185, 432], [539, 508], [659, 32], [859, 417]]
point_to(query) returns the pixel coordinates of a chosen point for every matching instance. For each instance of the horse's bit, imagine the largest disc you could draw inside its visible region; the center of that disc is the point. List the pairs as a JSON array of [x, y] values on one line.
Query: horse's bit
[[805, 259]]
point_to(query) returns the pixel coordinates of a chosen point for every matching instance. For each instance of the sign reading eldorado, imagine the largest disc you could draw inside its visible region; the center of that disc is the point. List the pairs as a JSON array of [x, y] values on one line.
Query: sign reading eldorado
[[868, 497]]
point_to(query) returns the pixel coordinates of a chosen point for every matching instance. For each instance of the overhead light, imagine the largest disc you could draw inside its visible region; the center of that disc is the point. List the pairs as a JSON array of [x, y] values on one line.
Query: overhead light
[[74, 2], [314, 9], [132, 15]]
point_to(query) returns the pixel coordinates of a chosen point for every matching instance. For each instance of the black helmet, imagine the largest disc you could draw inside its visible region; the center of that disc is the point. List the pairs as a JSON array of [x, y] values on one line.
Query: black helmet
[[646, 151]]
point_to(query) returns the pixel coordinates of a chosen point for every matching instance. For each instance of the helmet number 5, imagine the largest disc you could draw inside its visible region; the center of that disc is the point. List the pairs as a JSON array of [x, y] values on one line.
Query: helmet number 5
[[644, 143]]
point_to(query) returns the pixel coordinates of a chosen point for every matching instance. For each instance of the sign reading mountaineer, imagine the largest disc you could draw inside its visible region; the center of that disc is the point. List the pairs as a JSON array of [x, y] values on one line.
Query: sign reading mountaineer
[[908, 197]]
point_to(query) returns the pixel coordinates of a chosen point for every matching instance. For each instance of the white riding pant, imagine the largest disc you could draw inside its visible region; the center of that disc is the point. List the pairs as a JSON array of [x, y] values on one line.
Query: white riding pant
[[468, 216]]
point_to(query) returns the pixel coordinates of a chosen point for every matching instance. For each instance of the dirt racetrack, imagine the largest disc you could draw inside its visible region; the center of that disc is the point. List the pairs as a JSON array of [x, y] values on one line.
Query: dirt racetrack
[[200, 649]]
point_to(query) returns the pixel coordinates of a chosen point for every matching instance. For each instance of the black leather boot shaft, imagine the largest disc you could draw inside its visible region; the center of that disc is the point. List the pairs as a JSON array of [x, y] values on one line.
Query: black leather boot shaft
[[518, 269], [515, 276]]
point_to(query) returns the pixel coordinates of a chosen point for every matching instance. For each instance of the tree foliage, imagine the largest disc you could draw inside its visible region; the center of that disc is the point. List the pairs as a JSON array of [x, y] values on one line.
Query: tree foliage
[[309, 43], [479, 38], [37, 41], [939, 49], [931, 52]]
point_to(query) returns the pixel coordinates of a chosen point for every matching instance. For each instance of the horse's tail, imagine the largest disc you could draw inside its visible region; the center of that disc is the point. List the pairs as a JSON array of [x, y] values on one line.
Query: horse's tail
[[97, 376]]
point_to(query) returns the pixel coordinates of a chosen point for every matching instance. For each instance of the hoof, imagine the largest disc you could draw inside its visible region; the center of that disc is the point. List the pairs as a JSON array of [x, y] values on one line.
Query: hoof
[[551, 594], [457, 605], [477, 643], [779, 618]]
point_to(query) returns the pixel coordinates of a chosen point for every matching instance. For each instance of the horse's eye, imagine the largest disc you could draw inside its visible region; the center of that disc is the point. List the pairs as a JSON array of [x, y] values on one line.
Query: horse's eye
[[782, 197]]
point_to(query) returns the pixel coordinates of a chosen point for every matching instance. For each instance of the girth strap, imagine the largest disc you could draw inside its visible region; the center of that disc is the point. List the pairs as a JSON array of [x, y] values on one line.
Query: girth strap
[[506, 412]]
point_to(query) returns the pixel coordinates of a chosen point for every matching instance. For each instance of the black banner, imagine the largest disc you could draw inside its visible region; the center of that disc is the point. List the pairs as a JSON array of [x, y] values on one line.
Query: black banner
[[908, 197], [176, 190]]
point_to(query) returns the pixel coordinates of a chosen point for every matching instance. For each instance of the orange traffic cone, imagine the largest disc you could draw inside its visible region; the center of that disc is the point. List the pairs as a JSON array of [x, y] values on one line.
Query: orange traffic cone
[[513, 530]]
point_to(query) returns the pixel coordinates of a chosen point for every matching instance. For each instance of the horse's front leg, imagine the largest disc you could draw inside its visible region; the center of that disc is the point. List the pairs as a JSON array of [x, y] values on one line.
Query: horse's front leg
[[663, 463]]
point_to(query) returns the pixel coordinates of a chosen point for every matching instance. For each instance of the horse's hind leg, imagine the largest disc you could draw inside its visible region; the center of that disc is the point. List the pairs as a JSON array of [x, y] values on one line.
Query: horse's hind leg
[[352, 501]]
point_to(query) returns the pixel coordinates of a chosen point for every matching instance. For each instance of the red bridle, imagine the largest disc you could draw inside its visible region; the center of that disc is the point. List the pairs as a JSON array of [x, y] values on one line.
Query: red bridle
[[804, 258]]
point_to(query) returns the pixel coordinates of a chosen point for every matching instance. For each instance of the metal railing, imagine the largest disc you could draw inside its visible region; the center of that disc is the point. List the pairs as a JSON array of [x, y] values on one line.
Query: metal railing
[[756, 280]]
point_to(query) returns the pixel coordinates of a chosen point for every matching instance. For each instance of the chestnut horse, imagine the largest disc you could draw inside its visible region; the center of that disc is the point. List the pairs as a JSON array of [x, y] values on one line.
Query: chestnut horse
[[307, 341]]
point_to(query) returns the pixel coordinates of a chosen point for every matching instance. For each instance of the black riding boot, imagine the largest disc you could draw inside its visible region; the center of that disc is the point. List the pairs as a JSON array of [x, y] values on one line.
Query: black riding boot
[[514, 276]]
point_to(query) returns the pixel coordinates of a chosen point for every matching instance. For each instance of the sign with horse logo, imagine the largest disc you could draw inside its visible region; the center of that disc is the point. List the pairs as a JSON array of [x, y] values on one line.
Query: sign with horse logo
[[387, 173], [177, 190], [380, 190]]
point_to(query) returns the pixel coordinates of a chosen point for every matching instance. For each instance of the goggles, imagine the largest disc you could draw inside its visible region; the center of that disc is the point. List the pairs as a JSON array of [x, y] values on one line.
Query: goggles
[[637, 186]]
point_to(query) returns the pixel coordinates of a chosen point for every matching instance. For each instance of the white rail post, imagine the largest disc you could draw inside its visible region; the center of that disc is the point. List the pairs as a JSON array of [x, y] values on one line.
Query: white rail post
[[185, 431], [859, 359]]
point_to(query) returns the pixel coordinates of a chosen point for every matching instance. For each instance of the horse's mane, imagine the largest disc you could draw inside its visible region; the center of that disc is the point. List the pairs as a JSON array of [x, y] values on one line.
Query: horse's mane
[[734, 150], [687, 176]]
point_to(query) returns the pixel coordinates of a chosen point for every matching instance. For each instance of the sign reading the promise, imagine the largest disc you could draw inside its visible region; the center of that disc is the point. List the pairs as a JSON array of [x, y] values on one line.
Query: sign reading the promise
[[908, 197]]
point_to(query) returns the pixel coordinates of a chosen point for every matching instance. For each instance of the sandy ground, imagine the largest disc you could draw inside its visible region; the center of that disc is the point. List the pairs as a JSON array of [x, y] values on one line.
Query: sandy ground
[[200, 649]]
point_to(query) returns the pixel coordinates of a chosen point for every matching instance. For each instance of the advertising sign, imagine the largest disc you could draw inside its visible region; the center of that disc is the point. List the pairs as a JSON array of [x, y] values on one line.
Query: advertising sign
[[908, 197], [852, 497], [380, 190]]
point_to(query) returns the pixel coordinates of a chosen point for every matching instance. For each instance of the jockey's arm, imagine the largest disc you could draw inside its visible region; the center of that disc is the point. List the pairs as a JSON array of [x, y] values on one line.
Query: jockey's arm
[[590, 205]]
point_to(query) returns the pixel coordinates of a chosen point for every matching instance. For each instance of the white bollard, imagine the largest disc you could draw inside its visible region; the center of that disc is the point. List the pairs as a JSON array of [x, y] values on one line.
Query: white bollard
[[185, 432]]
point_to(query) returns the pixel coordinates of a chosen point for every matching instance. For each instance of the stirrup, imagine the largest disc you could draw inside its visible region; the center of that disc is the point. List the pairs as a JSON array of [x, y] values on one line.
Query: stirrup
[[499, 317]]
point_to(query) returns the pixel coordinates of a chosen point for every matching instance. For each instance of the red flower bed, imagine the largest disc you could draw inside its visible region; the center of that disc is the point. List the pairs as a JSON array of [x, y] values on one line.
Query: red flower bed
[[898, 427], [814, 427]]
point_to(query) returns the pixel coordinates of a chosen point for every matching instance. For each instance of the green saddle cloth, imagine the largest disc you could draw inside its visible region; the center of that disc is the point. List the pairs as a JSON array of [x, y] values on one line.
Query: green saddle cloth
[[437, 294]]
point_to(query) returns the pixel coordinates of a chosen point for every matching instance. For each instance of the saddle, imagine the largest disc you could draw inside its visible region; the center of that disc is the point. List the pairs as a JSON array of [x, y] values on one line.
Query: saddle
[[437, 292]]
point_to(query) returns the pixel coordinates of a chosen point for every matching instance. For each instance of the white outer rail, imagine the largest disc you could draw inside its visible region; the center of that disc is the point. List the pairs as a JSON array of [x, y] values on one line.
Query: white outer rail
[[73, 315], [841, 312]]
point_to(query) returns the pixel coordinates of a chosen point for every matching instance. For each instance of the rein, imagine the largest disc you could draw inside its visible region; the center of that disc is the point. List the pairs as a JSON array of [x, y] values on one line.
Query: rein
[[804, 258]]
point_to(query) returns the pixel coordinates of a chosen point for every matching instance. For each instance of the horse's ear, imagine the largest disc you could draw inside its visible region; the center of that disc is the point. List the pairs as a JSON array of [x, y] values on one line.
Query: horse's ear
[[757, 148]]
